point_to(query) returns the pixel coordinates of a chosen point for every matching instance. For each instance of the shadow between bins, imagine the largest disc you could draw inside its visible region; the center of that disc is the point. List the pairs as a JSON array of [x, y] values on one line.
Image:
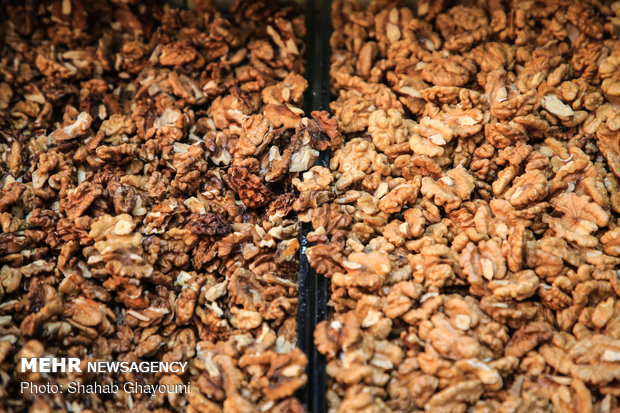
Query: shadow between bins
[[313, 287]]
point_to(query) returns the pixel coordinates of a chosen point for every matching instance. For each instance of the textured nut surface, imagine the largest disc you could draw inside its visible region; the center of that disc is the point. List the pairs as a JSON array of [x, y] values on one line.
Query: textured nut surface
[[480, 154], [147, 161]]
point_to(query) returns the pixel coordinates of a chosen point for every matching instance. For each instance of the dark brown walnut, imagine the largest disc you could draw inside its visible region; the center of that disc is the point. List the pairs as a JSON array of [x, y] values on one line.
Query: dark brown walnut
[[208, 224], [281, 206], [249, 187], [123, 197], [328, 126]]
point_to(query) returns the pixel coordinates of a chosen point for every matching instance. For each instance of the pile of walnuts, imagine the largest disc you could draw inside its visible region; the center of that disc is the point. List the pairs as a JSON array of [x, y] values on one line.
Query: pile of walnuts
[[469, 220], [155, 165], [146, 200]]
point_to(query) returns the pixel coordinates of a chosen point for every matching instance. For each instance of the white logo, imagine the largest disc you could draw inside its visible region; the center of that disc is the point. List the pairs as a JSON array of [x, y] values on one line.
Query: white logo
[[51, 365], [72, 365]]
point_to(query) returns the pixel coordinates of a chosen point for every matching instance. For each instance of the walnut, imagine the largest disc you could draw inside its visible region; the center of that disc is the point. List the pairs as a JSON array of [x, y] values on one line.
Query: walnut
[[10, 279], [459, 180], [149, 207], [433, 266], [489, 376], [80, 199], [514, 248], [244, 319], [43, 304], [11, 194], [303, 159], [609, 144], [186, 302], [249, 187], [464, 123], [329, 126], [491, 56], [89, 313], [555, 106], [7, 93], [229, 112], [449, 70], [440, 193], [344, 332], [73, 130], [283, 373], [50, 68], [176, 53], [412, 386], [503, 135], [327, 259], [456, 396], [518, 286], [367, 55], [580, 217], [400, 298], [133, 56], [347, 108], [400, 196], [257, 132], [317, 178], [363, 270], [351, 157], [283, 115], [530, 187], [462, 26], [611, 242], [332, 218], [14, 161], [291, 89], [209, 224], [360, 97], [389, 129]]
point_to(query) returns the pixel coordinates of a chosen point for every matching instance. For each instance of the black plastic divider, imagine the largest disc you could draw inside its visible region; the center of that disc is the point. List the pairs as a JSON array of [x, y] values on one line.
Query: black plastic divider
[[313, 287], [305, 306]]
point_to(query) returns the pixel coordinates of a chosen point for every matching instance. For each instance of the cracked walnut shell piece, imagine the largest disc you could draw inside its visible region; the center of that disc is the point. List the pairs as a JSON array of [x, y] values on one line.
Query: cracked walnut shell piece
[[478, 268]]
